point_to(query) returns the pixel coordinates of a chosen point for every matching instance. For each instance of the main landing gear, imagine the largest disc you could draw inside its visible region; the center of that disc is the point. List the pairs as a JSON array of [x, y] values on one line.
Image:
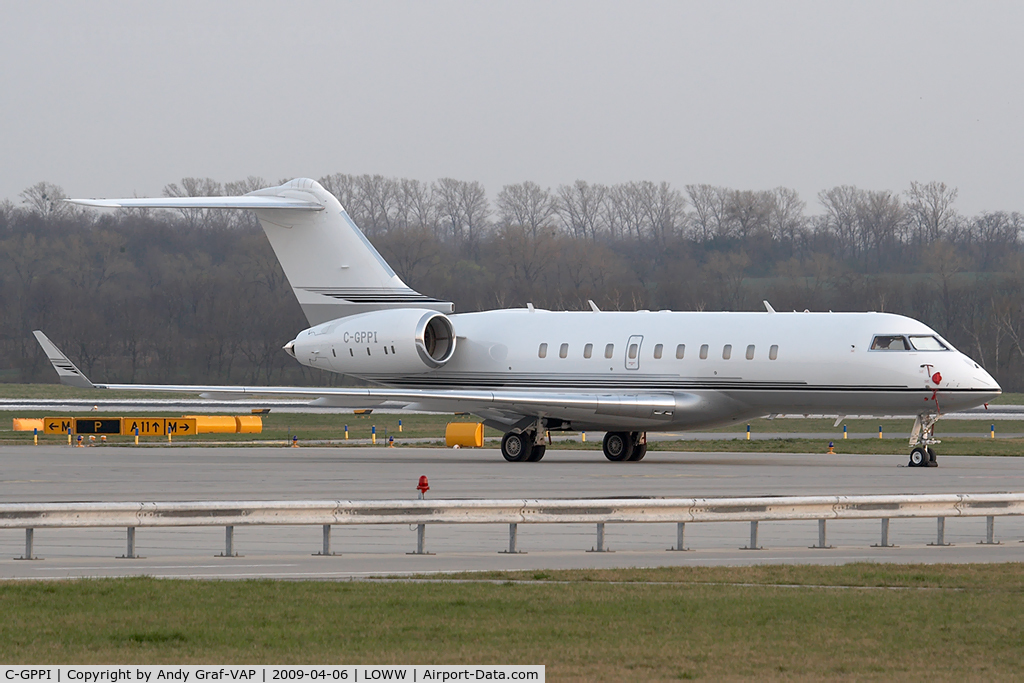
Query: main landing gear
[[625, 446], [522, 447], [922, 438]]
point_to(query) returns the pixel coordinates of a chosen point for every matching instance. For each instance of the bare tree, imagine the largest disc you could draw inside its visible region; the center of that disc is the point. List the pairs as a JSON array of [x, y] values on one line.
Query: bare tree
[[379, 197], [462, 207], [748, 211], [931, 209], [786, 219], [665, 211], [840, 219], [197, 187], [708, 217], [579, 208], [415, 207], [46, 199], [526, 204], [880, 219]]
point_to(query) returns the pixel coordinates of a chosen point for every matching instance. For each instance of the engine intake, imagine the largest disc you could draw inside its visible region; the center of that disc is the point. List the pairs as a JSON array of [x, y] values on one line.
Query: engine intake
[[435, 339], [395, 341]]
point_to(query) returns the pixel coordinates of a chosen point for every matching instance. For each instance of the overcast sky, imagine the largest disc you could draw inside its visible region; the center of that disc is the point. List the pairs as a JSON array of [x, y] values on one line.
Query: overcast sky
[[116, 98]]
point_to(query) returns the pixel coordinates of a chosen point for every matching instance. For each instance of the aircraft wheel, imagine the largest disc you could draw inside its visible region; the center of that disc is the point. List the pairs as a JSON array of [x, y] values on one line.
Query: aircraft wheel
[[638, 453], [932, 462], [618, 446], [516, 447], [538, 453], [919, 457]]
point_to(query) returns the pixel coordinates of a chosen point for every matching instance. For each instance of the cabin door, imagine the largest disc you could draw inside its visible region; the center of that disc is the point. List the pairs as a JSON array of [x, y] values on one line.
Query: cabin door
[[633, 352]]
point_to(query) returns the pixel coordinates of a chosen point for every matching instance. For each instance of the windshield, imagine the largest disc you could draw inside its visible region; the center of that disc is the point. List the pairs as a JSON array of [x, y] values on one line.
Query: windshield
[[927, 343], [889, 342]]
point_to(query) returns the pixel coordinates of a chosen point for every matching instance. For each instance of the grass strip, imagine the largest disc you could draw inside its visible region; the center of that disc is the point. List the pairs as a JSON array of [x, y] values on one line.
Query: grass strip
[[710, 623]]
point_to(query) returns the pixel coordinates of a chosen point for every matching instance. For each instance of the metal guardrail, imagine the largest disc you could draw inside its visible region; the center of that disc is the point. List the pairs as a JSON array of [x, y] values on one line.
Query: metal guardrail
[[229, 514]]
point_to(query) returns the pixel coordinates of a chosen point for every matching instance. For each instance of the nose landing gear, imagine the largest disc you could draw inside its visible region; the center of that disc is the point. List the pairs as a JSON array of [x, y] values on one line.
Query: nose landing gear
[[922, 438]]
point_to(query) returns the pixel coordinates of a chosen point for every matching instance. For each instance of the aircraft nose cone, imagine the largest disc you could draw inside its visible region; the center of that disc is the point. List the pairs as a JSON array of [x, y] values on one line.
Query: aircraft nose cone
[[289, 348]]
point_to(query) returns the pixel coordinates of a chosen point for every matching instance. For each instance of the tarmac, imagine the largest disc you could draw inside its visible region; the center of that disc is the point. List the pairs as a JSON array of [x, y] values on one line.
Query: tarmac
[[59, 473]]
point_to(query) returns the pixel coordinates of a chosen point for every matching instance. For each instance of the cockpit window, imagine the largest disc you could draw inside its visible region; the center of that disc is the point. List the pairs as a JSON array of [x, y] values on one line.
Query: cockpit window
[[889, 343], [927, 343]]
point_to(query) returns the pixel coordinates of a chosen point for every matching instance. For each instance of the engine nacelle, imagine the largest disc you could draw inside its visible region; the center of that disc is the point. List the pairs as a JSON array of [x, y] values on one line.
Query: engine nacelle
[[396, 341]]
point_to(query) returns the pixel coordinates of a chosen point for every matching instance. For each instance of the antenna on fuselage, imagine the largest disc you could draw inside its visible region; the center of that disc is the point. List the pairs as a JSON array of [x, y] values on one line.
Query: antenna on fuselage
[[593, 306], [768, 306]]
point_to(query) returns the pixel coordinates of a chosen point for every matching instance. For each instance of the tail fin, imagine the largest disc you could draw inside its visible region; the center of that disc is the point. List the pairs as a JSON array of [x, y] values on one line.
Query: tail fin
[[333, 269]]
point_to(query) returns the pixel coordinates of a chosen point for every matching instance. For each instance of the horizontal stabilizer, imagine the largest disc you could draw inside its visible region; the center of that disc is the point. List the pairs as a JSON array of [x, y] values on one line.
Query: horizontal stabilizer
[[246, 202]]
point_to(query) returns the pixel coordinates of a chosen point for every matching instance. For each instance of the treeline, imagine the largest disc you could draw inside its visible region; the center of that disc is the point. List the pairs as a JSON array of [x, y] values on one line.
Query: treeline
[[198, 296]]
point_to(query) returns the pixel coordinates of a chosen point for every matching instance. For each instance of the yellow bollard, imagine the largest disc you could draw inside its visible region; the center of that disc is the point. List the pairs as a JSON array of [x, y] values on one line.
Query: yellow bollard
[[168, 437], [35, 437], [993, 431], [346, 432], [748, 432], [373, 434], [583, 437], [399, 426], [879, 431]]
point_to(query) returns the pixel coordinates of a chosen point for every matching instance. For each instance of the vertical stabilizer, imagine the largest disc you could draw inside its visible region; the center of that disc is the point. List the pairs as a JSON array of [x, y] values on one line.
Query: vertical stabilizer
[[332, 268]]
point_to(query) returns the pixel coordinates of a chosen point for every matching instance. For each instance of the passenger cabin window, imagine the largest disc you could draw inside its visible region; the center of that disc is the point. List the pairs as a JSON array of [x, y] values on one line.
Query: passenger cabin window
[[927, 343], [542, 352], [609, 350], [750, 352], [703, 351], [563, 350], [657, 350], [889, 343], [588, 350], [632, 351], [727, 352], [773, 352], [680, 350]]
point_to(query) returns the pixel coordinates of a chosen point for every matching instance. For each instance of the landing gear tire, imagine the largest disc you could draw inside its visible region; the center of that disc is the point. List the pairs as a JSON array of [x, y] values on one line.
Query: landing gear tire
[[537, 454], [618, 446], [517, 447], [919, 457], [639, 452], [932, 462]]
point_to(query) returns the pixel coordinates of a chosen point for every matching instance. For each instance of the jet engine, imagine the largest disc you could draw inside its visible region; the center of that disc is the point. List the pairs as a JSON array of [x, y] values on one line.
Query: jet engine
[[397, 341]]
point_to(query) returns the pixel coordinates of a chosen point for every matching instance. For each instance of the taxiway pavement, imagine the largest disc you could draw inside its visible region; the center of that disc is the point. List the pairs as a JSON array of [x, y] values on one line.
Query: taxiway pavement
[[55, 473]]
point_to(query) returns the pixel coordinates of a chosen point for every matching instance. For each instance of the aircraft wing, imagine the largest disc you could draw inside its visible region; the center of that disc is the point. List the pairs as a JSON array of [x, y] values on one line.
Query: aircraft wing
[[566, 405]]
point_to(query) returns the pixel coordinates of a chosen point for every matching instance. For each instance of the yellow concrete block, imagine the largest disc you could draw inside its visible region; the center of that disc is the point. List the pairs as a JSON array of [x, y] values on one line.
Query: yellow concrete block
[[27, 424], [215, 424], [464, 434], [248, 424]]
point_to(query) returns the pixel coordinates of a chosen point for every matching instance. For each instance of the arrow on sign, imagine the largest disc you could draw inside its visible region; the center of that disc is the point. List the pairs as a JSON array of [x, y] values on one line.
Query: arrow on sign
[[53, 425]]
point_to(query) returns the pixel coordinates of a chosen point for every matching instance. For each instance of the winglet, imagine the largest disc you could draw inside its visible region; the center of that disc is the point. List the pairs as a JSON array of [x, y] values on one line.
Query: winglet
[[66, 370]]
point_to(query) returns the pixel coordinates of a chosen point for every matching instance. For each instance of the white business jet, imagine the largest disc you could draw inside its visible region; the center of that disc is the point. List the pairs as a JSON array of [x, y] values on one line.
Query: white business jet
[[528, 371]]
